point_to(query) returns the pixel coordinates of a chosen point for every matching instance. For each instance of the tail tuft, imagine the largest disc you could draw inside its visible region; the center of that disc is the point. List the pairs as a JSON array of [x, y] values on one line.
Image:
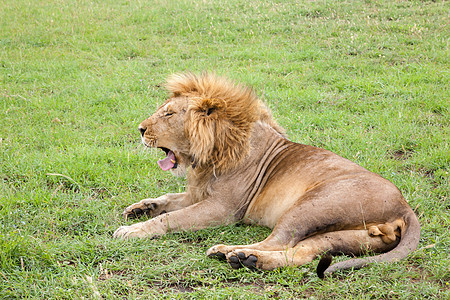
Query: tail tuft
[[324, 263]]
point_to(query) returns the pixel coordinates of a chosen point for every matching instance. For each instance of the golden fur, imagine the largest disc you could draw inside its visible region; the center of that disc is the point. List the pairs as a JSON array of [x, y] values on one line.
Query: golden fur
[[241, 167], [217, 128]]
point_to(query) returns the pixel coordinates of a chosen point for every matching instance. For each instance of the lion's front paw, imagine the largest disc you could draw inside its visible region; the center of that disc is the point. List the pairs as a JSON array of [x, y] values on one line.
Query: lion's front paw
[[138, 209], [133, 231]]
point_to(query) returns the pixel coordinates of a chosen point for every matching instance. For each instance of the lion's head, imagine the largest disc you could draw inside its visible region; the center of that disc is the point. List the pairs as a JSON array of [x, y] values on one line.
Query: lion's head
[[205, 123]]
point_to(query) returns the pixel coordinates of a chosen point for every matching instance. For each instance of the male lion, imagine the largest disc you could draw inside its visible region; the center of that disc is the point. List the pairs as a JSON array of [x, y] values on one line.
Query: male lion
[[241, 167]]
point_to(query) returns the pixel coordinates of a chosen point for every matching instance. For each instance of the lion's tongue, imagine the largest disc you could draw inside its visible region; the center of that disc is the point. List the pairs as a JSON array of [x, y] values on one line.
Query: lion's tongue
[[168, 162]]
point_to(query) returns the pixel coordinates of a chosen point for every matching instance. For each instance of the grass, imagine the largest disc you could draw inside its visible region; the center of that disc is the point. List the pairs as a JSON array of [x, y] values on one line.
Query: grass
[[365, 79]]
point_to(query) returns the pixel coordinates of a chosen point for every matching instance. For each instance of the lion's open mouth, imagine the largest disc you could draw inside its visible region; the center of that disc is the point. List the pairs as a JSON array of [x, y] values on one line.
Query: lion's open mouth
[[170, 162]]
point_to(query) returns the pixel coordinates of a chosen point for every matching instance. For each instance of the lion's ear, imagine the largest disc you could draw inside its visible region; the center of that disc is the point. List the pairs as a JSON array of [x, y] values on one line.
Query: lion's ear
[[207, 107], [204, 118]]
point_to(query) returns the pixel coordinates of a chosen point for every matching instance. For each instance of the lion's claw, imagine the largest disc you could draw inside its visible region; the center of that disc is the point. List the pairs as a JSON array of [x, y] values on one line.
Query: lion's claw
[[135, 213]]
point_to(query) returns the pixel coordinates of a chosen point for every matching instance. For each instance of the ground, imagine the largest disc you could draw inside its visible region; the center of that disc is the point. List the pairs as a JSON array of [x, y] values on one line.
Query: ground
[[365, 79]]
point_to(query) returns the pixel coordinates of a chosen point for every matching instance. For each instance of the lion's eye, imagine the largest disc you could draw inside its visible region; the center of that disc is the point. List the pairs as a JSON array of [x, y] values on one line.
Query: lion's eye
[[168, 114]]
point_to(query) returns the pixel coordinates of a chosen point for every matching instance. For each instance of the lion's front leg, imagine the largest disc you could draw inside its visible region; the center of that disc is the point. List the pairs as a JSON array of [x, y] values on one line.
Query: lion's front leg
[[155, 206], [138, 230], [197, 216]]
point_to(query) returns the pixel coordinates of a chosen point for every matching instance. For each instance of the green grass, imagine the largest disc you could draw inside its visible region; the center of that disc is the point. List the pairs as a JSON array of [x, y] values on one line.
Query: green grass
[[365, 79]]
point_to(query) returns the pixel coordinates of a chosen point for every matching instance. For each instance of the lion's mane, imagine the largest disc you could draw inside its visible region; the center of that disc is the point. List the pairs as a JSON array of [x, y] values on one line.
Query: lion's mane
[[218, 131]]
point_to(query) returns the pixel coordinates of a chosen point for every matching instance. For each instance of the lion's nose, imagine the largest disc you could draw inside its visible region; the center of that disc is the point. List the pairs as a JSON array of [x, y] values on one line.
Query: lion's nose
[[142, 130]]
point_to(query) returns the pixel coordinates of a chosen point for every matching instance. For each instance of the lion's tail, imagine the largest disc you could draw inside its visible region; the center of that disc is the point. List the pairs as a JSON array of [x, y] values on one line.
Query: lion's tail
[[410, 235]]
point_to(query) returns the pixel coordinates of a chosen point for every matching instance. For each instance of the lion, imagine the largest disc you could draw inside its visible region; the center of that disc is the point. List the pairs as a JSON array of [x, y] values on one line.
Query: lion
[[240, 167]]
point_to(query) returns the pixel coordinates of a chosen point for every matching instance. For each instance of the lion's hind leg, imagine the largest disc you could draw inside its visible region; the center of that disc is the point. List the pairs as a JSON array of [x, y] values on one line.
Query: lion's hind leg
[[353, 242]]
